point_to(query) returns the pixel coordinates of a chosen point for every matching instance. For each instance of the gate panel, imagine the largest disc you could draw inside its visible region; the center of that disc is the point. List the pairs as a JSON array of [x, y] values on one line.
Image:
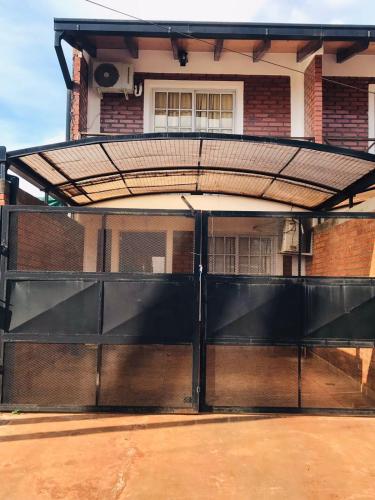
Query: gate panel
[[49, 374], [50, 307], [146, 375], [252, 376], [150, 312]]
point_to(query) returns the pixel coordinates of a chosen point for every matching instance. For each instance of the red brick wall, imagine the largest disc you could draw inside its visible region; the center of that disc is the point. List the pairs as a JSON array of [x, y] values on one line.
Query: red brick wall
[[342, 249], [46, 242], [266, 105], [79, 99], [313, 100], [345, 111]]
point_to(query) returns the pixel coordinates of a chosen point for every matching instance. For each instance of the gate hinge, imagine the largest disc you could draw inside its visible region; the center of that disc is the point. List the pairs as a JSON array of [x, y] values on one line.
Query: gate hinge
[[198, 389], [3, 250]]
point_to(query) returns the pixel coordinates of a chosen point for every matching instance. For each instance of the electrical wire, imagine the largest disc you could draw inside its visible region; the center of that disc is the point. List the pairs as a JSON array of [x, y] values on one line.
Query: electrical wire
[[212, 44]]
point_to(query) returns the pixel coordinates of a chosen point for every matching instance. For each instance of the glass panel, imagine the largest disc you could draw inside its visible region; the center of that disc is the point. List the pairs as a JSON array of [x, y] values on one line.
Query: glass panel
[[230, 264], [160, 118], [244, 246], [185, 119], [186, 101], [227, 102], [173, 100], [255, 265], [226, 120], [255, 246], [160, 100], [201, 101], [342, 377], [213, 119], [219, 264], [266, 246], [173, 119], [244, 265], [201, 121], [248, 377], [214, 101], [219, 245], [266, 265], [230, 245]]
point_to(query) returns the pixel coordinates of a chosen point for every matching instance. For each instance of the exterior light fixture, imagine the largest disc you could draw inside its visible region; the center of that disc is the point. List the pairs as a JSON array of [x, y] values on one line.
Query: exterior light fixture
[[183, 57]]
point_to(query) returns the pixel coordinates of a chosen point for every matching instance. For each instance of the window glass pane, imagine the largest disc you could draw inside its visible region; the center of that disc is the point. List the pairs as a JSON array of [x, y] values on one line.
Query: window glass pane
[[219, 245], [230, 245], [267, 265], [244, 265], [160, 100], [244, 246], [186, 101], [255, 265], [219, 264], [160, 118], [227, 102], [185, 120], [172, 119], [160, 129], [201, 120], [214, 101], [210, 245], [214, 119], [226, 120], [255, 246], [173, 100], [201, 101], [266, 246], [229, 264]]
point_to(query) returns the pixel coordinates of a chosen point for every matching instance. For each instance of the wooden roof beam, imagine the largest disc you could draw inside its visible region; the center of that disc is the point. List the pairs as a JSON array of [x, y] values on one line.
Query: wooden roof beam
[[348, 52], [261, 49], [218, 49], [175, 48], [132, 46], [308, 49]]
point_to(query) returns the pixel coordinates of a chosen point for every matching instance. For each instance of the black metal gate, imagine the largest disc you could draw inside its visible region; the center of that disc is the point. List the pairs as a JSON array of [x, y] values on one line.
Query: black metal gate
[[149, 310]]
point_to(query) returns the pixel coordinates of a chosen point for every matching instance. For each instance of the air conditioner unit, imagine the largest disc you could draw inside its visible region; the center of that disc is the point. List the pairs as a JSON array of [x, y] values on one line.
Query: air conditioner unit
[[290, 240], [113, 77]]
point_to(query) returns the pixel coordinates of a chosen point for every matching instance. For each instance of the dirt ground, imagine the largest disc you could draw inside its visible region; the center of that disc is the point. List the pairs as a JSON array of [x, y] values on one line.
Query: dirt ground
[[81, 456]]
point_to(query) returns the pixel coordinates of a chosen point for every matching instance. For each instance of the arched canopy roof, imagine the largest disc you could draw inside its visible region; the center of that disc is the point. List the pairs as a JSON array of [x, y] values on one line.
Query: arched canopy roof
[[96, 169]]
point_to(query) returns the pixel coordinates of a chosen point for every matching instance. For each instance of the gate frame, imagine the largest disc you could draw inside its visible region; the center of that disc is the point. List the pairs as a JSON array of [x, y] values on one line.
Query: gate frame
[[198, 276]]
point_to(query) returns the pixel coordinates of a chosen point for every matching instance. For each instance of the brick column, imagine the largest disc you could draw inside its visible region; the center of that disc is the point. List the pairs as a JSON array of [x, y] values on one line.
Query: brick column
[[314, 100], [78, 107]]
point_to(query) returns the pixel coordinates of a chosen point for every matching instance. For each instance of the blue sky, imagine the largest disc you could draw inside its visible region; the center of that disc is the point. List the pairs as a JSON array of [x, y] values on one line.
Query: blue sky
[[32, 91]]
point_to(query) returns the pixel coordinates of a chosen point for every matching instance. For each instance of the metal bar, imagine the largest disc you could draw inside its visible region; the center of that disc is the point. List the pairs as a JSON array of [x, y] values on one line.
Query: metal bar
[[197, 382], [203, 307], [62, 61], [114, 166]]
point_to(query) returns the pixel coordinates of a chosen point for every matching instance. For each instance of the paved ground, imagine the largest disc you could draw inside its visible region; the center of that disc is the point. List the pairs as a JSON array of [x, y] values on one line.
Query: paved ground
[[48, 456]]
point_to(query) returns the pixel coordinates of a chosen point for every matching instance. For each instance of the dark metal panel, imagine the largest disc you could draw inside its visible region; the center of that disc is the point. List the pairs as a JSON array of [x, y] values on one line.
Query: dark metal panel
[[337, 310], [49, 307], [152, 312], [256, 309]]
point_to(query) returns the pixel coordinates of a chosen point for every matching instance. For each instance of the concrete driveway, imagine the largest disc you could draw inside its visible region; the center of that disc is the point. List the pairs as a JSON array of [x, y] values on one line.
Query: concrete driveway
[[91, 456]]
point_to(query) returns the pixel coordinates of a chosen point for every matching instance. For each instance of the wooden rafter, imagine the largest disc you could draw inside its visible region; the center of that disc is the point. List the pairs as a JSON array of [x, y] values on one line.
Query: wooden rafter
[[261, 49], [348, 52], [308, 49]]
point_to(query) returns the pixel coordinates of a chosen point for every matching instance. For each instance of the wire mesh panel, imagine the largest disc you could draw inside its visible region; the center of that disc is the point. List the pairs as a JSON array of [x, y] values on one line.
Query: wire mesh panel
[[49, 374], [53, 241], [150, 244], [252, 376], [342, 377], [146, 375]]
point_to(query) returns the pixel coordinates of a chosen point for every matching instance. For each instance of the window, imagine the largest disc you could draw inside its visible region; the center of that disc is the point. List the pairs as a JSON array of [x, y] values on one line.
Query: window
[[193, 111], [243, 254]]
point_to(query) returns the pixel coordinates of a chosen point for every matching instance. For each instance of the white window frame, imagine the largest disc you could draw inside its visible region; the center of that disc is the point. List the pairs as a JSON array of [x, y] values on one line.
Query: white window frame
[[237, 237], [152, 86]]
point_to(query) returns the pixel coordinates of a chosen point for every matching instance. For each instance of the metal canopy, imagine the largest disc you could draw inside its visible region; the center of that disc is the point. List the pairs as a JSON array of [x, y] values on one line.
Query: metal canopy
[[96, 169]]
